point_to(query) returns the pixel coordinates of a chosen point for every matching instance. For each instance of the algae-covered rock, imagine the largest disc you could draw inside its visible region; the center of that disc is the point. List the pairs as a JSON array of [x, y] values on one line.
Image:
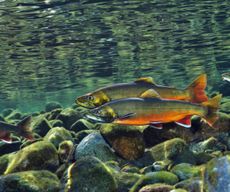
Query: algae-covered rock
[[6, 112], [90, 174], [130, 169], [52, 105], [30, 181], [185, 171], [15, 115], [81, 125], [4, 161], [155, 177], [125, 180], [169, 149], [161, 165], [64, 150], [157, 187], [58, 134], [37, 156], [216, 176], [69, 116], [52, 115], [127, 141], [191, 185], [178, 190], [95, 145], [41, 125], [56, 123], [209, 145]]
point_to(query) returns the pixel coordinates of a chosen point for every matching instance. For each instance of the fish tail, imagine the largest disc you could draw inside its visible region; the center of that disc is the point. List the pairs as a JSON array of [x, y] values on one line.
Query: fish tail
[[212, 105], [24, 128], [197, 89]]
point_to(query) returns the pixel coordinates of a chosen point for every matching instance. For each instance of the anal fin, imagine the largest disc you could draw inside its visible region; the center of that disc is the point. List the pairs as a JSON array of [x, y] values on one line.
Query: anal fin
[[185, 122]]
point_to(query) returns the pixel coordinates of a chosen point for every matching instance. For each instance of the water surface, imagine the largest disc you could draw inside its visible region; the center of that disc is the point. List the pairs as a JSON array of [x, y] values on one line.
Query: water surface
[[56, 50]]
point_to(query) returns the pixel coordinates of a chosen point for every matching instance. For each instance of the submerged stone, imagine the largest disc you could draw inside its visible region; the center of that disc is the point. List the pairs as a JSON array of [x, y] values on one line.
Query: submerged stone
[[56, 123], [41, 125], [158, 187], [58, 134], [69, 116], [127, 141], [216, 176], [170, 149], [65, 150], [30, 181], [81, 125], [191, 185], [37, 156], [155, 177], [4, 161], [78, 137], [7, 112], [95, 145], [89, 174], [186, 171], [52, 105], [6, 148], [15, 115]]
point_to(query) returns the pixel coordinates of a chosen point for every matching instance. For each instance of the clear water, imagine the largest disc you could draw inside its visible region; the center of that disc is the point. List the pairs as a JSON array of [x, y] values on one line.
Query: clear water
[[55, 50]]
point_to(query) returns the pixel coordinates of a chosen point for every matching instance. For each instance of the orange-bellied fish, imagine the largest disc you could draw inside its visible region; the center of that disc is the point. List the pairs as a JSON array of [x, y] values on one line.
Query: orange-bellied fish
[[155, 111], [194, 92], [22, 129]]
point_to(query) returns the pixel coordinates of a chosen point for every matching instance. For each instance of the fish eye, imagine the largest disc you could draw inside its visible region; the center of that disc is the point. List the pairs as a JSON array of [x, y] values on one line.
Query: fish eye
[[90, 97]]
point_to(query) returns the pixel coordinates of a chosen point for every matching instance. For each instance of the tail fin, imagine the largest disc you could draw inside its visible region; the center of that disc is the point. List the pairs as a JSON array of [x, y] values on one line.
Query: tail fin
[[212, 106], [24, 127], [197, 89]]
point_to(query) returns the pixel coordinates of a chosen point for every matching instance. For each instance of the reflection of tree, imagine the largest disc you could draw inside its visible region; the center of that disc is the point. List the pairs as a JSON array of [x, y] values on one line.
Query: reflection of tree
[[64, 45]]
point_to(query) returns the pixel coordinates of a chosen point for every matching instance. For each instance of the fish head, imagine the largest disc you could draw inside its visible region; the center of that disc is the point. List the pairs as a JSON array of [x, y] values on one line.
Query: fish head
[[92, 100], [105, 114]]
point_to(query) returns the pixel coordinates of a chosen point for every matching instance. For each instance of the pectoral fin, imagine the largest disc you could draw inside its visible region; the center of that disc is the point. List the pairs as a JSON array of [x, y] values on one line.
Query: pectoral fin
[[145, 80], [150, 93], [126, 116], [156, 125], [185, 122]]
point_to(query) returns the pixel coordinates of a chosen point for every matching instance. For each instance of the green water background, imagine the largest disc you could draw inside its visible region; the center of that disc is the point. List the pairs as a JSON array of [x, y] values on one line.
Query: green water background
[[55, 50]]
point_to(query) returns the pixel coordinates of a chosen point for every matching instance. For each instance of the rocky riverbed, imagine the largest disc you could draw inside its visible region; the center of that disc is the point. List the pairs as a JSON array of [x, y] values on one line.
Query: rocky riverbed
[[71, 154]]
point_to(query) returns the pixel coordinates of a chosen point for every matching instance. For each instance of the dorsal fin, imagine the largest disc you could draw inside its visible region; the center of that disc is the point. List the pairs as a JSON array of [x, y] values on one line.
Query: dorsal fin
[[150, 93], [145, 80]]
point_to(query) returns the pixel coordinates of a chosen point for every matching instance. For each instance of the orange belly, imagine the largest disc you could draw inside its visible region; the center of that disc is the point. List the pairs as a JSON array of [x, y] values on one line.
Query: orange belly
[[147, 119]]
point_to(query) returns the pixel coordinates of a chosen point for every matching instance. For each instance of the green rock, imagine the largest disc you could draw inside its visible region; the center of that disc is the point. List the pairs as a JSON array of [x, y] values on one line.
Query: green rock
[[127, 141], [155, 177], [225, 107], [90, 174], [56, 123], [2, 118], [4, 161], [58, 134], [64, 150], [216, 175], [52, 105], [41, 125], [191, 185], [170, 149], [130, 169], [15, 115], [186, 171], [209, 145], [52, 115], [81, 125], [30, 181], [95, 145], [179, 190], [161, 165], [69, 116], [7, 112], [157, 187], [37, 156], [125, 180]]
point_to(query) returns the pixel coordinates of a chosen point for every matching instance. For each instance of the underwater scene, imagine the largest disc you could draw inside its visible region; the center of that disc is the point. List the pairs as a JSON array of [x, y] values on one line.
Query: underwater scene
[[115, 96]]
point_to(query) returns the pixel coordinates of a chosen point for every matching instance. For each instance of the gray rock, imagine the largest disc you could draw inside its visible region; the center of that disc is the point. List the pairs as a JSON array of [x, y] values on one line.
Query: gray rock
[[52, 105], [94, 145]]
